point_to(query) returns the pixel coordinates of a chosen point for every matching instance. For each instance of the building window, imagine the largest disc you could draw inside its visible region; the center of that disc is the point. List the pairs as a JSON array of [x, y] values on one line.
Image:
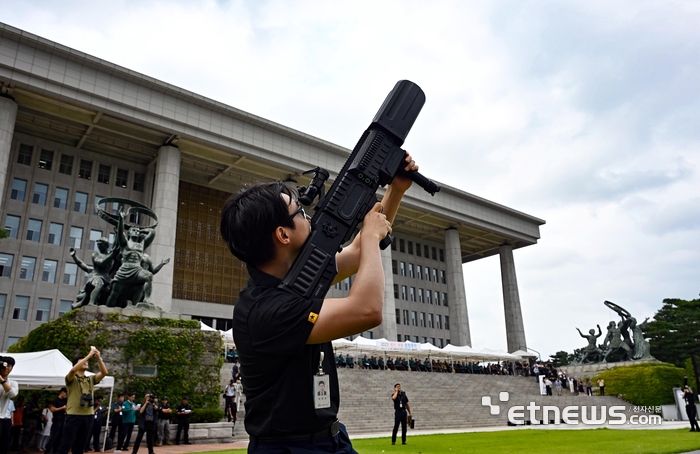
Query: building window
[[25, 154], [403, 268], [426, 251], [396, 291], [414, 318], [442, 277], [444, 299], [438, 319], [413, 293], [55, 233], [3, 301], [427, 274], [398, 336], [49, 272], [435, 275], [404, 292], [70, 273], [447, 325], [61, 199], [19, 188], [43, 309], [122, 177], [442, 255], [12, 225], [46, 159], [432, 340], [80, 204], [34, 230], [21, 307], [418, 250], [431, 322], [139, 181], [422, 319], [394, 267], [76, 237], [6, 264], [415, 339], [402, 245], [26, 271], [40, 193], [428, 298], [419, 272], [398, 316], [437, 298], [94, 236], [64, 306], [441, 343], [410, 247], [405, 317], [85, 171], [434, 253], [66, 165], [103, 172], [420, 295], [424, 339], [411, 273]]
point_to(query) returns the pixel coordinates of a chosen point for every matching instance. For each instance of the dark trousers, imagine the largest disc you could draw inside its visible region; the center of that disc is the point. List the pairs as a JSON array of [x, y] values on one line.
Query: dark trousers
[[16, 433], [115, 424], [56, 434], [399, 418], [602, 390], [149, 428], [28, 435], [76, 432], [183, 426], [5, 431], [125, 435], [95, 436], [339, 444], [692, 412]]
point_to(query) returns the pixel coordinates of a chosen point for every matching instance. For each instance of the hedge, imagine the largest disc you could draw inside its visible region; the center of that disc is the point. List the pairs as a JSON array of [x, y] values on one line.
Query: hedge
[[647, 384]]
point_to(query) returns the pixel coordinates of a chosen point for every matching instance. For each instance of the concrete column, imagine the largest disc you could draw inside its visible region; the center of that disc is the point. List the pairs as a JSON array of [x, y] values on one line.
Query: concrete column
[[515, 331], [388, 327], [459, 317], [165, 202], [8, 115]]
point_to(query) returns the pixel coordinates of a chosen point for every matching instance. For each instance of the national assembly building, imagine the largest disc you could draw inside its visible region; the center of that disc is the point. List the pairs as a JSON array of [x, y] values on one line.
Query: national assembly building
[[75, 129]]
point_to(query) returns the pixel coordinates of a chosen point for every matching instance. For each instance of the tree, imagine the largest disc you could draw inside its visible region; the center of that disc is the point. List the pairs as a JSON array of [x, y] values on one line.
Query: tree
[[674, 334], [560, 358]]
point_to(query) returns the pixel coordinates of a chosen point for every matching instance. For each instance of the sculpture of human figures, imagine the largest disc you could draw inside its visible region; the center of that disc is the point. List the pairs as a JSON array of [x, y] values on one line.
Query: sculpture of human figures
[[98, 279], [591, 350], [131, 273], [641, 345], [147, 264], [614, 337]]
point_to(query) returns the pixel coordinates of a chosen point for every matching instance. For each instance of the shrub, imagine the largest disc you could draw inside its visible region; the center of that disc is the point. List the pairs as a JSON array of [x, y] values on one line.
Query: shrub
[[206, 415], [643, 384]]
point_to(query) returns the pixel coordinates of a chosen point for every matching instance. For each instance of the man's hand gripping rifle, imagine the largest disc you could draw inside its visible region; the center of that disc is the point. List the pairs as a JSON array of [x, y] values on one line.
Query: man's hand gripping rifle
[[375, 161]]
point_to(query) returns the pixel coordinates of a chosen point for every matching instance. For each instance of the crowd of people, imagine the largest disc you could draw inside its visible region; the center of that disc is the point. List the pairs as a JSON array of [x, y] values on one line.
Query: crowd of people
[[73, 420], [434, 365]]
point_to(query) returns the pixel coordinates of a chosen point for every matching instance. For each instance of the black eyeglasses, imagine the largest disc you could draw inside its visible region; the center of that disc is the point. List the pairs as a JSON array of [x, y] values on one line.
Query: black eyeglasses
[[297, 211]]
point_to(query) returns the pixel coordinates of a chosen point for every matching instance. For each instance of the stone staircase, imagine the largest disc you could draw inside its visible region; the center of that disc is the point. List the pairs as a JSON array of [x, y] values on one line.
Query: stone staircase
[[441, 401]]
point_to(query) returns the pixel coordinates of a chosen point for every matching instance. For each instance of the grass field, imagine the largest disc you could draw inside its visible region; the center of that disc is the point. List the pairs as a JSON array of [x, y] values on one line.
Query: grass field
[[537, 441]]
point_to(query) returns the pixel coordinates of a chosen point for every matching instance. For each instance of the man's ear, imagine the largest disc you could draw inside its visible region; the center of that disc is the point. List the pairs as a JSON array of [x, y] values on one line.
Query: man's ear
[[281, 235]]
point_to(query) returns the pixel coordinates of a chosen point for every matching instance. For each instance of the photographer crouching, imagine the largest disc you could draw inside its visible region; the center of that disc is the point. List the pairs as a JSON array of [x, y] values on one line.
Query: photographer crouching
[[80, 412]]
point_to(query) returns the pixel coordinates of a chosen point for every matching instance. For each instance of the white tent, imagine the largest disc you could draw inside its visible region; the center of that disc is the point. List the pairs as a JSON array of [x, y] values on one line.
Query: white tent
[[45, 370], [204, 327], [524, 354]]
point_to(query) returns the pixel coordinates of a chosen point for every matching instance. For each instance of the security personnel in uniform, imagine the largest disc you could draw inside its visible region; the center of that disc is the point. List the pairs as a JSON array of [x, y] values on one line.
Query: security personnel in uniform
[[400, 407]]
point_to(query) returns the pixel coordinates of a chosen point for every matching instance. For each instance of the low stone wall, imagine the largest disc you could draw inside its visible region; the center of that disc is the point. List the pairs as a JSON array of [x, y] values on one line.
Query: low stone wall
[[218, 432], [591, 370]]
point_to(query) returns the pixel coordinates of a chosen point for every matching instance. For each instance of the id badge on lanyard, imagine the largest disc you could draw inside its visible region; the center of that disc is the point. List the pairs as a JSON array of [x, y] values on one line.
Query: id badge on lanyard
[[322, 387]]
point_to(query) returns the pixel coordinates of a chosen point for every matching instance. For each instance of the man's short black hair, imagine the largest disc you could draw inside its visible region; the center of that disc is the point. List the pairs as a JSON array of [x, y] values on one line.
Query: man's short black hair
[[63, 390], [249, 217]]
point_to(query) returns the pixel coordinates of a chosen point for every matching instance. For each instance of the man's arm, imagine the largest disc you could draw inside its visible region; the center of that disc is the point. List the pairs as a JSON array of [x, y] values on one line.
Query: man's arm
[[79, 365], [362, 308], [103, 368], [408, 407]]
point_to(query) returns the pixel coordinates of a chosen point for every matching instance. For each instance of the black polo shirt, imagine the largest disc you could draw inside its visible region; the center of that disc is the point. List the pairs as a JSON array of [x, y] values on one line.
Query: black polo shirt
[[270, 329], [400, 402]]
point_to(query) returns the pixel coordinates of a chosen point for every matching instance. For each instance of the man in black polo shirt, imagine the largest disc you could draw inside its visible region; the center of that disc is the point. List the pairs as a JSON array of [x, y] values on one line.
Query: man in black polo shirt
[[282, 338], [400, 407], [58, 408]]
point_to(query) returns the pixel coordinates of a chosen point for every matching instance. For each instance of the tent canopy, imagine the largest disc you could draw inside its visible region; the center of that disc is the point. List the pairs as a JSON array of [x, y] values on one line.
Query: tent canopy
[[45, 370]]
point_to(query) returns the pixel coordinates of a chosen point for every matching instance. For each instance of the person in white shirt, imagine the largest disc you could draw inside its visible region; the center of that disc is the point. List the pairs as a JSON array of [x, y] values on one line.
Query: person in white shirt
[[8, 390], [47, 418]]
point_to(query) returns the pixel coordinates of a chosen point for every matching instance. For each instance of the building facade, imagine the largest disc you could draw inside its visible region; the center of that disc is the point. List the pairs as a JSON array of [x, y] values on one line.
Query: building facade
[[75, 129]]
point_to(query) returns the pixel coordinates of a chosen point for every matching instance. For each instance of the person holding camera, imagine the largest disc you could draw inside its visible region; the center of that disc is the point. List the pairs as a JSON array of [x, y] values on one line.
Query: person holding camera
[[80, 413], [400, 417], [147, 423], [283, 338], [690, 408]]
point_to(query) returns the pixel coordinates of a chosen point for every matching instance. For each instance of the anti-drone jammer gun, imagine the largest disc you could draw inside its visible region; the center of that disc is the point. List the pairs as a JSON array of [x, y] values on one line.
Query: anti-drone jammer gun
[[375, 161]]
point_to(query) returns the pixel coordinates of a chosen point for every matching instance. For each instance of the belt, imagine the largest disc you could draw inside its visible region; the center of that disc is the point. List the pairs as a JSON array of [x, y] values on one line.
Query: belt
[[330, 431]]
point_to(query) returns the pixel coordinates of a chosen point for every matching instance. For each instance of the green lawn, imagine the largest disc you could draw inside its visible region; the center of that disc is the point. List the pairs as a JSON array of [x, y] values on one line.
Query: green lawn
[[537, 441]]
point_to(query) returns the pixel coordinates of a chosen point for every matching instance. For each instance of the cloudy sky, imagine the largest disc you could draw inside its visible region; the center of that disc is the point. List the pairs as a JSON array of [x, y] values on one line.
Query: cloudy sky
[[585, 114]]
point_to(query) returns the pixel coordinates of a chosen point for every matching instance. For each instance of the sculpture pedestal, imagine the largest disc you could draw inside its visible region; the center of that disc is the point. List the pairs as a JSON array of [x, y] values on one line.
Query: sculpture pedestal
[[590, 370], [133, 310]]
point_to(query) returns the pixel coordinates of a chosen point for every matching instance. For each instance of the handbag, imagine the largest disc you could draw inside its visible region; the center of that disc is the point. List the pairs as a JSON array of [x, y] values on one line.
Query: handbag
[[410, 421]]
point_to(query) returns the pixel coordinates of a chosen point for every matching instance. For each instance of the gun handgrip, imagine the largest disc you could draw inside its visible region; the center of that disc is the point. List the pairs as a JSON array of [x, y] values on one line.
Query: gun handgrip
[[386, 242], [426, 183]]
